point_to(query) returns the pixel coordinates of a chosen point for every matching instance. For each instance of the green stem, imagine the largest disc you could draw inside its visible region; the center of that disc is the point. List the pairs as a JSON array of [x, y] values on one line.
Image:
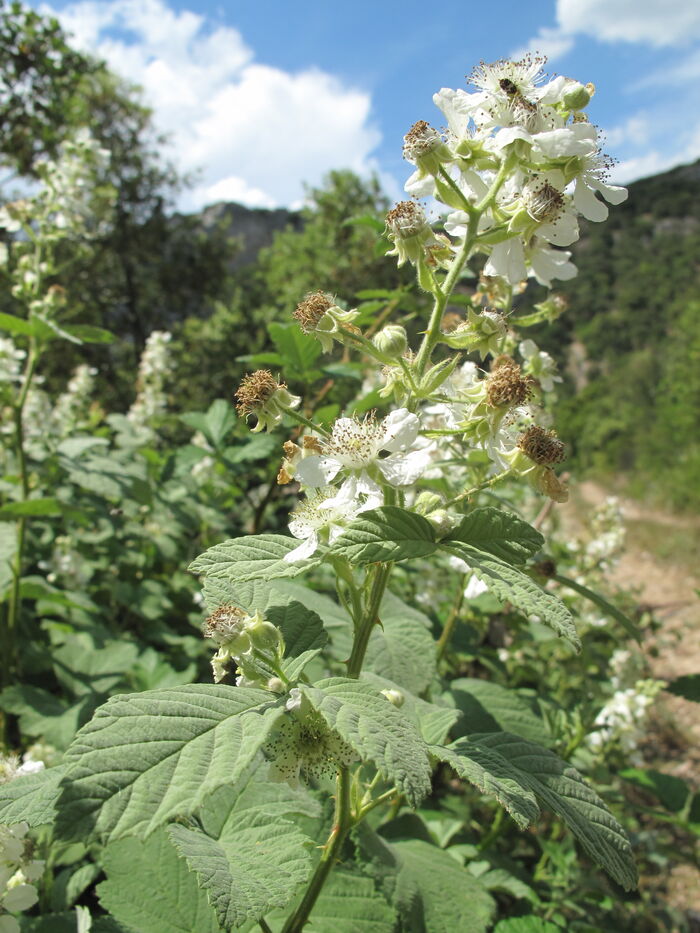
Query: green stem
[[446, 633], [300, 419], [263, 925], [10, 657], [368, 347], [341, 826], [364, 630], [485, 485]]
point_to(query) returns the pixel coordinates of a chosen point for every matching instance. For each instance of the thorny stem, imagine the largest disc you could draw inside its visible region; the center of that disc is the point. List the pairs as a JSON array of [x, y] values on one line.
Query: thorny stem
[[487, 484], [364, 629], [344, 819], [446, 634], [433, 332], [342, 824]]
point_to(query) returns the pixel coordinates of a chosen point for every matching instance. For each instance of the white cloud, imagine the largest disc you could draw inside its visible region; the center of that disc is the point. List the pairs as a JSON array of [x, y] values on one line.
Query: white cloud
[[254, 133], [671, 22], [636, 129], [549, 41], [657, 160]]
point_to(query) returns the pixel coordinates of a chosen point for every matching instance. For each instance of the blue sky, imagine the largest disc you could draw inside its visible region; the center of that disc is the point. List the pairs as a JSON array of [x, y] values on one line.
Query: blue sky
[[260, 97]]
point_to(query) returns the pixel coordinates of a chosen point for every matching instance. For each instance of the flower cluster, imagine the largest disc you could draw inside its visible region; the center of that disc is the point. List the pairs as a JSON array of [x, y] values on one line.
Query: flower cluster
[[522, 147], [621, 721], [17, 872], [248, 643], [154, 369], [71, 410]]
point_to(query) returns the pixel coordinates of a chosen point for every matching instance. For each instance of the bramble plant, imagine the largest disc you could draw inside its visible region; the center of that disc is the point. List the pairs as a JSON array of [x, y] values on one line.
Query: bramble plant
[[257, 801]]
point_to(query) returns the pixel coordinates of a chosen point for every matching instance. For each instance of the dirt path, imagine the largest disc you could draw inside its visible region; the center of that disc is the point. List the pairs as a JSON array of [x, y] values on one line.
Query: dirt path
[[662, 564]]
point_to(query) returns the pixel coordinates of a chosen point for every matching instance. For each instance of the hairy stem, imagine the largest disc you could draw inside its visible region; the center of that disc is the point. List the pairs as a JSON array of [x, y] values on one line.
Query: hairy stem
[[446, 634], [342, 823], [364, 630]]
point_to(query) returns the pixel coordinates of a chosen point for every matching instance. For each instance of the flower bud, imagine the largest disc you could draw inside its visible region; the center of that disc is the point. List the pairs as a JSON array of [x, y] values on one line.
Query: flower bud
[[413, 237], [263, 635], [427, 502], [576, 96], [391, 341], [395, 697]]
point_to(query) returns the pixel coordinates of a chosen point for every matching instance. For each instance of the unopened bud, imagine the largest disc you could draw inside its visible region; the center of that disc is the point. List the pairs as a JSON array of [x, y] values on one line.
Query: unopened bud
[[391, 341], [395, 697], [576, 96]]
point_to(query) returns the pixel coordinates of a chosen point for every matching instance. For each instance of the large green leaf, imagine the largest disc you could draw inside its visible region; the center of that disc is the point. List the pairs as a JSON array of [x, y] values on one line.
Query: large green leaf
[[150, 889], [484, 769], [377, 730], [149, 757], [387, 533], [627, 624], [511, 585], [254, 557], [488, 707], [561, 788], [499, 533], [31, 797], [434, 894], [257, 863], [16, 325], [528, 924], [350, 903], [402, 648], [434, 722]]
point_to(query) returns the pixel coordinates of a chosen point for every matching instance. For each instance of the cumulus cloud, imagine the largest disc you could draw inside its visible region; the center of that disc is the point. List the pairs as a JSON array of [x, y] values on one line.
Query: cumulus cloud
[[251, 132], [672, 22]]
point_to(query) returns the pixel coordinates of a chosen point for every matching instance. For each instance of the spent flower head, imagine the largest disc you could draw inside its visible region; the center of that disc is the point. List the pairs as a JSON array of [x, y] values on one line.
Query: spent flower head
[[318, 314], [260, 394]]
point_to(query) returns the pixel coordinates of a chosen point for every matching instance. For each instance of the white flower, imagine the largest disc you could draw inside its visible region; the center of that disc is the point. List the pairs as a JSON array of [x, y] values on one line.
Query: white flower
[[591, 178], [354, 447], [539, 364], [323, 512]]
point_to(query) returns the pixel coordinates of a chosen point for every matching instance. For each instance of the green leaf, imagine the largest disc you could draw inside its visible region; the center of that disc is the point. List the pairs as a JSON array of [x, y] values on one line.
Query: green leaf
[[43, 714], [31, 797], [66, 923], [561, 788], [350, 903], [299, 350], [257, 863], [377, 730], [254, 557], [302, 628], [499, 533], [627, 624], [36, 508], [257, 448], [402, 649], [488, 707], [511, 585], [528, 924], [70, 883], [436, 895], [150, 889], [219, 421], [484, 769], [687, 687], [294, 666], [16, 325], [149, 757], [670, 790], [87, 333], [387, 533], [433, 722]]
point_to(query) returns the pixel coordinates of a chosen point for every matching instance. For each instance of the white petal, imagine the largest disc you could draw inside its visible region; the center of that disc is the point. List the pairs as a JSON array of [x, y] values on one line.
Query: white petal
[[305, 549], [474, 588], [509, 135], [317, 471], [548, 264], [401, 428], [588, 204], [373, 492], [404, 469], [562, 232], [613, 194], [566, 142], [507, 260]]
